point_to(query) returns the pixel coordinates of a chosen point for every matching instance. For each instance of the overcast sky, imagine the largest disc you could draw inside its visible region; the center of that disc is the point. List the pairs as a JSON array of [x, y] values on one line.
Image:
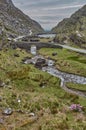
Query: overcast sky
[[49, 12]]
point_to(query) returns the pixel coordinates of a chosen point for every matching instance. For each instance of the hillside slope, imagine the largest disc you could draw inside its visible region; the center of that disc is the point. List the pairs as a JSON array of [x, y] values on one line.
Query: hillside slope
[[14, 22], [72, 29]]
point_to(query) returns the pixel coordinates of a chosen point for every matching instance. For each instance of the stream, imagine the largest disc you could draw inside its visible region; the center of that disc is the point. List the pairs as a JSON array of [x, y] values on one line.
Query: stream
[[65, 77]]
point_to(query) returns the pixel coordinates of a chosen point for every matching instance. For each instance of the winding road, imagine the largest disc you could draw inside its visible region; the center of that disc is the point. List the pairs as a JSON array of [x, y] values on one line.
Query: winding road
[[71, 48]]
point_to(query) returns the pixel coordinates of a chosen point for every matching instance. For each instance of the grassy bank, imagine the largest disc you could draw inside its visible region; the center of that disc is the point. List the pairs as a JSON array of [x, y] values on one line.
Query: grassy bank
[[80, 87]]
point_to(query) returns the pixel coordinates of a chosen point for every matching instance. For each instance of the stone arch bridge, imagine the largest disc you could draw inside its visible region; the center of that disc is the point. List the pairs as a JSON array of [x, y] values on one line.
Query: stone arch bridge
[[27, 45]]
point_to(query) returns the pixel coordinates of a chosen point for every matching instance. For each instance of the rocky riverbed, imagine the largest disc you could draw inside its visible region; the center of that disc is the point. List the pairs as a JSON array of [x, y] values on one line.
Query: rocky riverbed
[[65, 77]]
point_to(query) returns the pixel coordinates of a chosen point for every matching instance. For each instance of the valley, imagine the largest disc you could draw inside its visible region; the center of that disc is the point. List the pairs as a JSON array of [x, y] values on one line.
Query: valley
[[42, 74]]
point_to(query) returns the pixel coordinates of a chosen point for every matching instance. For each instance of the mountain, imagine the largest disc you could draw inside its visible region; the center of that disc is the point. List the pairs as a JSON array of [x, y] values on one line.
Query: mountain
[[14, 22], [72, 30]]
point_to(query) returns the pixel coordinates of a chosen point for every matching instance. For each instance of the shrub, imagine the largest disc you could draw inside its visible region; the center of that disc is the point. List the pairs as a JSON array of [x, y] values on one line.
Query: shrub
[[76, 107]]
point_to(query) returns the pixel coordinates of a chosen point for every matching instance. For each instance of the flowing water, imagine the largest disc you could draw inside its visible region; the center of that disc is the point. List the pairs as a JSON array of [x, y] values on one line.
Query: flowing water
[[65, 77], [47, 35]]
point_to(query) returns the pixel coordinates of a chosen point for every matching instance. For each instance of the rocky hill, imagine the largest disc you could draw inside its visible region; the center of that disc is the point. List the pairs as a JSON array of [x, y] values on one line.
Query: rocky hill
[[14, 22], [72, 29]]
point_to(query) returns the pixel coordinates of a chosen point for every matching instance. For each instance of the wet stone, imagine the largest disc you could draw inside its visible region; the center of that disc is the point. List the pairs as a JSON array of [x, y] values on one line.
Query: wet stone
[[50, 63], [7, 111]]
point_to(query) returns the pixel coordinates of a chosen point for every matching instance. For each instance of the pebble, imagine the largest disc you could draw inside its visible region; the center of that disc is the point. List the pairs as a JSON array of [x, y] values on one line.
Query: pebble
[[31, 114], [18, 100]]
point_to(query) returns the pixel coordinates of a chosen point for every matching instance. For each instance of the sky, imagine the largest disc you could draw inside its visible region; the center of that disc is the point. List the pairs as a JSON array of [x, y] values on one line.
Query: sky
[[49, 12]]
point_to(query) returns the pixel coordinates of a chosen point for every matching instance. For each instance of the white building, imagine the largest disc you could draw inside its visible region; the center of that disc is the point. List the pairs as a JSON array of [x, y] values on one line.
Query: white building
[[33, 50]]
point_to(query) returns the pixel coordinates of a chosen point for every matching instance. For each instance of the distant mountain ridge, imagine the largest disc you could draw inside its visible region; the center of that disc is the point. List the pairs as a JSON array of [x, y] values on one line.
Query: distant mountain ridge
[[72, 29], [14, 22]]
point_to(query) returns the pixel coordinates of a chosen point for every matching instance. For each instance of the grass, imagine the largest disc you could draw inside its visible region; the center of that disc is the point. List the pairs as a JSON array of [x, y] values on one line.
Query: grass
[[78, 59], [80, 87], [39, 93], [66, 60]]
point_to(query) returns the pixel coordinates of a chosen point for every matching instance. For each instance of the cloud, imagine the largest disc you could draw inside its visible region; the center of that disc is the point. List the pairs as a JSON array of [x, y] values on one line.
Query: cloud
[[63, 7], [49, 12]]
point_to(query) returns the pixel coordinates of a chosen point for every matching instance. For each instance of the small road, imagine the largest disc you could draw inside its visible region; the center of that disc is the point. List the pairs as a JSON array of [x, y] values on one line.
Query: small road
[[72, 48], [17, 38], [20, 37]]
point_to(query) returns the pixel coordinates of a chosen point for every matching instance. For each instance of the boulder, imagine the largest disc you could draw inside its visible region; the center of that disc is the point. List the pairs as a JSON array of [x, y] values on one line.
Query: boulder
[[40, 63]]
